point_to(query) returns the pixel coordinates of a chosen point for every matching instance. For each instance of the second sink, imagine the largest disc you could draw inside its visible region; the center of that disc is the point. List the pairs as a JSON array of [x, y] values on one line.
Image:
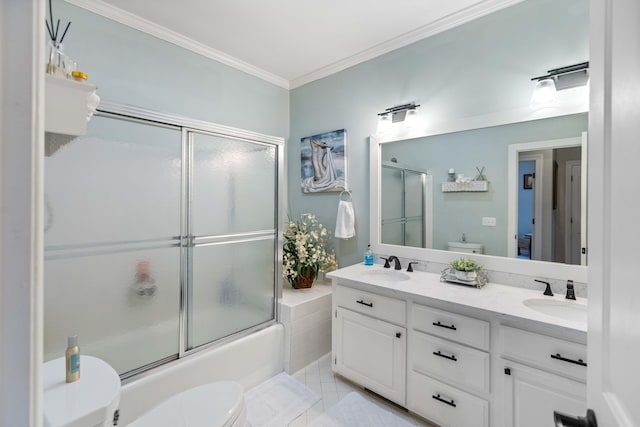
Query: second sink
[[568, 310]]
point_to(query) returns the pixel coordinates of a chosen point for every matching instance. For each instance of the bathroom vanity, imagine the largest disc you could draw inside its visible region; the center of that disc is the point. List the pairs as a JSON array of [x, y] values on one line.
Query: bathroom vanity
[[458, 355]]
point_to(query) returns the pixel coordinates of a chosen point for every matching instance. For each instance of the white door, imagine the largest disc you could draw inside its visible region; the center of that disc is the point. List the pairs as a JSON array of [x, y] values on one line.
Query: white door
[[614, 210], [372, 353], [573, 212]]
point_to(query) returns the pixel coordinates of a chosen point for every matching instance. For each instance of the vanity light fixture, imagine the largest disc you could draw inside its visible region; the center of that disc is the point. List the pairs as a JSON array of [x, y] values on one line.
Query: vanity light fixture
[[401, 113], [545, 92]]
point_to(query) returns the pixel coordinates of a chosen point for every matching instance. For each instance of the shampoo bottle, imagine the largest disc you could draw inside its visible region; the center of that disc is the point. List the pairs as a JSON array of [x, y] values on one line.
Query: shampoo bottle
[[72, 357], [368, 256]]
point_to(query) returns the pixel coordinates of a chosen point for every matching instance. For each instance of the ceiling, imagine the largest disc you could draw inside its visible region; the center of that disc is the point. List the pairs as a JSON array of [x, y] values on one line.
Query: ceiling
[[292, 42]]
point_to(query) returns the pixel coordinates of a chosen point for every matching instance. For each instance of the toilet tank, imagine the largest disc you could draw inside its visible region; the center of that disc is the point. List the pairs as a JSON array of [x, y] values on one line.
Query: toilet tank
[[91, 401], [466, 247]]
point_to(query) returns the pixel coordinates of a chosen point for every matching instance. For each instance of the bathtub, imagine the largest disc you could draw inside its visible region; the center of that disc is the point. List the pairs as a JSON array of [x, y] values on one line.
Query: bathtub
[[249, 360]]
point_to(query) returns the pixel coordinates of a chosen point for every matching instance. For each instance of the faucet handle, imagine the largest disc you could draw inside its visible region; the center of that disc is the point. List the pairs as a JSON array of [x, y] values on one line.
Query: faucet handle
[[386, 262], [410, 268], [547, 290], [571, 293]]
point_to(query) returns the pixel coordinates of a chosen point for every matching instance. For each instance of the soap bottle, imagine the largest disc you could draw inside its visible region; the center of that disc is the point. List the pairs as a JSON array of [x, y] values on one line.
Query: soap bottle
[[72, 361], [368, 256]]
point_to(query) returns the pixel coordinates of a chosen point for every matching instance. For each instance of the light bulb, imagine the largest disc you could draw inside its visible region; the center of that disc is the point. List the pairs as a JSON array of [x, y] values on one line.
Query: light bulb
[[544, 93], [384, 124], [411, 119]]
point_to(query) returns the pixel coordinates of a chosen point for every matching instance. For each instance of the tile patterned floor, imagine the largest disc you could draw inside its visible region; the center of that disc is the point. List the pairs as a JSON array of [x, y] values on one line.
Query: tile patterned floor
[[319, 377]]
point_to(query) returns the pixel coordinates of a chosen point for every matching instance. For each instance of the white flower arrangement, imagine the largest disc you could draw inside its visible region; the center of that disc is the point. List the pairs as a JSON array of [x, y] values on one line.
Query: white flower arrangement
[[305, 249]]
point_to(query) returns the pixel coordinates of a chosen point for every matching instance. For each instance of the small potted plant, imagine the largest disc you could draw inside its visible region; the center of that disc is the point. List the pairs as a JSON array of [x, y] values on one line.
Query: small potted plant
[[465, 269], [305, 251]]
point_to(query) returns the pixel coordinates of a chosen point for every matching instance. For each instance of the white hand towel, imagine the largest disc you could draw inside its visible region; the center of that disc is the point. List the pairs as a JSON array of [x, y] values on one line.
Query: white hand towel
[[345, 221]]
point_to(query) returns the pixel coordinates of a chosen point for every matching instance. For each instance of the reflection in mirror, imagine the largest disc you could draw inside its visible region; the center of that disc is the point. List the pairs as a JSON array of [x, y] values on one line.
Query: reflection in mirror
[[406, 195], [485, 215]]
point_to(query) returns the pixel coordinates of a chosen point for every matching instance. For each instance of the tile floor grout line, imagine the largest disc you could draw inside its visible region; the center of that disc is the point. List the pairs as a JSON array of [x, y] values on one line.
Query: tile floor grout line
[[319, 377]]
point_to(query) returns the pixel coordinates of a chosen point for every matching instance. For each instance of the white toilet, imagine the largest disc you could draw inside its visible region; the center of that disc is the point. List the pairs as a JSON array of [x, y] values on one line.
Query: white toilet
[[219, 404], [92, 401], [466, 247]]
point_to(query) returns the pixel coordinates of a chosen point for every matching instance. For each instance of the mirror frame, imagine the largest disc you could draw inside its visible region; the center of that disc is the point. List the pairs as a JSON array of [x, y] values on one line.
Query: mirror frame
[[542, 269]]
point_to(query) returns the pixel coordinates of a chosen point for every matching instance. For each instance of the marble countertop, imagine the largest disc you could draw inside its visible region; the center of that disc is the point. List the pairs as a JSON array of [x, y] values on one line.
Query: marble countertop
[[493, 297]]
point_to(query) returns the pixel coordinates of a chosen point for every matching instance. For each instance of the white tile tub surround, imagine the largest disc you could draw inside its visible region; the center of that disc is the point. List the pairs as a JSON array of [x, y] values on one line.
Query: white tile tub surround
[[249, 360], [510, 279], [306, 317]]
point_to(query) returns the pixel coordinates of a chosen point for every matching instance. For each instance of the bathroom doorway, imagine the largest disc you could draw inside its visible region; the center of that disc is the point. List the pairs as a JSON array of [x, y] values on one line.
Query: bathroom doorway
[[546, 219]]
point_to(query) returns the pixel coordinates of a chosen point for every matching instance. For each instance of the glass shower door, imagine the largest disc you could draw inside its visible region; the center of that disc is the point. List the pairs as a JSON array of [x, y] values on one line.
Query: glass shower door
[[414, 209], [112, 246], [232, 236]]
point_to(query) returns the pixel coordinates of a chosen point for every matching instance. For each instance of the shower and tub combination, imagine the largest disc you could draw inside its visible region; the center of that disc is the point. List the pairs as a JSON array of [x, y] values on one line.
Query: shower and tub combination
[[161, 241]]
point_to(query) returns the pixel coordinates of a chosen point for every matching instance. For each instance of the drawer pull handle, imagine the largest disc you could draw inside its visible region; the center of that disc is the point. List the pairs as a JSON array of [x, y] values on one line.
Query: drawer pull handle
[[452, 327], [452, 357], [580, 362], [368, 304], [450, 403]]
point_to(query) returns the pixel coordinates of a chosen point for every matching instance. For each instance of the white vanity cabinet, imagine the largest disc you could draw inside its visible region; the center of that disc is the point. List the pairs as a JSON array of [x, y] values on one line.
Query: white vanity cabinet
[[448, 380], [457, 356], [554, 379], [370, 340]]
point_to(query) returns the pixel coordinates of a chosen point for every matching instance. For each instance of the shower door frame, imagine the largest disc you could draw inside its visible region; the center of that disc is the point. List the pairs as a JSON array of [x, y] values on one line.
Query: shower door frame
[[189, 127], [426, 203]]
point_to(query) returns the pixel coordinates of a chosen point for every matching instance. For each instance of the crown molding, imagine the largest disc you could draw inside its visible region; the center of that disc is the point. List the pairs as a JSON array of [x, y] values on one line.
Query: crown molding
[[116, 14], [450, 21], [129, 19]]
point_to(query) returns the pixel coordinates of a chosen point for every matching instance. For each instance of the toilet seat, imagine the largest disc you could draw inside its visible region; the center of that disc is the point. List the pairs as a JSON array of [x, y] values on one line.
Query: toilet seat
[[219, 404]]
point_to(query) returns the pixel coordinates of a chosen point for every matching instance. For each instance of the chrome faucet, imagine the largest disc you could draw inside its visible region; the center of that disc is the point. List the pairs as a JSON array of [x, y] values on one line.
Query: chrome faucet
[[397, 265]]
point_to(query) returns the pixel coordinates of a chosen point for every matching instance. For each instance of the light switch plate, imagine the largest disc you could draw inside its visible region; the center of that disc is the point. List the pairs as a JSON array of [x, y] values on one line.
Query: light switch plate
[[489, 221]]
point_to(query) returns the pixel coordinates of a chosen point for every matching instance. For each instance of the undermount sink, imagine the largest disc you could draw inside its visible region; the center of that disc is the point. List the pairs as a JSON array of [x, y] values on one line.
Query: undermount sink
[[387, 275], [568, 310]]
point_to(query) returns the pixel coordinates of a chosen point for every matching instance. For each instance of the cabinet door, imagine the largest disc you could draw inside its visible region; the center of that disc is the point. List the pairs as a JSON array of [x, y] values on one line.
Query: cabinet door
[[531, 396], [371, 352]]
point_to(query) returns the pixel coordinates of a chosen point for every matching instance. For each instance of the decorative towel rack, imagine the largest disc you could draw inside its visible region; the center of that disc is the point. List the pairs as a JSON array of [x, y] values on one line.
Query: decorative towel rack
[[347, 192]]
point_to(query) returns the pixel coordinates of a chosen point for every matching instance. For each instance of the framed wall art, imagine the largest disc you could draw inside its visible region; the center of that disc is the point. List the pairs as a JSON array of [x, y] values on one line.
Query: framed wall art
[[528, 181], [323, 162]]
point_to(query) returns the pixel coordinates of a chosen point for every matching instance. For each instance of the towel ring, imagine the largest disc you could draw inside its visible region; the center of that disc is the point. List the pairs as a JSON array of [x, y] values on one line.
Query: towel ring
[[348, 192]]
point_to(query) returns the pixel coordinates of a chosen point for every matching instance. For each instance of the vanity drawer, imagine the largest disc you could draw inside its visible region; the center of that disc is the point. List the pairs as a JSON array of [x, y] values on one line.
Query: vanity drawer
[[552, 354], [385, 308], [444, 404], [456, 327], [451, 362]]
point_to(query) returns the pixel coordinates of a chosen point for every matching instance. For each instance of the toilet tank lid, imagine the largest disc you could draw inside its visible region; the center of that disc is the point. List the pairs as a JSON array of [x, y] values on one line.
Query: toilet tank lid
[[88, 401], [465, 245]]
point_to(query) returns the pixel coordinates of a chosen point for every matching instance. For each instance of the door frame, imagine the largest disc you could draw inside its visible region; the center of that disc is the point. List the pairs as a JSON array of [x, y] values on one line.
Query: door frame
[[512, 182]]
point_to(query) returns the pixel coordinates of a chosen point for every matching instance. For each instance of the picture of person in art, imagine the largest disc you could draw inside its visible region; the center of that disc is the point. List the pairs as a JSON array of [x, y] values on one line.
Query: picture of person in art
[[320, 165]]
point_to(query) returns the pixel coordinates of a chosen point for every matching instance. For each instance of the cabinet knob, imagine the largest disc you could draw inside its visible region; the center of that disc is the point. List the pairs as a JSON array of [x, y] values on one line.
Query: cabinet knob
[[398, 334]]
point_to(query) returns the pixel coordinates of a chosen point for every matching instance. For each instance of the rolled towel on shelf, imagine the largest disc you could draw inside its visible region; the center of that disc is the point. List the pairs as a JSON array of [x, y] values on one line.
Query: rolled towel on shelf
[[345, 220]]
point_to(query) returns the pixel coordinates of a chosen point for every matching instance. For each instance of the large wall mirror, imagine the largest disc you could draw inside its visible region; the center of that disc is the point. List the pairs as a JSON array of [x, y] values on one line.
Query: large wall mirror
[[525, 210]]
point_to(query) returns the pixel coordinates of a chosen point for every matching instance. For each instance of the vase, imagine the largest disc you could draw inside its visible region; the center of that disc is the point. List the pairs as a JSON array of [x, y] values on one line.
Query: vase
[[303, 281], [467, 276]]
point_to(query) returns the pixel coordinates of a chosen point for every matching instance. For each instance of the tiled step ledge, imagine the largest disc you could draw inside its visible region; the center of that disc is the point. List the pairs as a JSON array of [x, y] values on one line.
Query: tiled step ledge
[[306, 316]]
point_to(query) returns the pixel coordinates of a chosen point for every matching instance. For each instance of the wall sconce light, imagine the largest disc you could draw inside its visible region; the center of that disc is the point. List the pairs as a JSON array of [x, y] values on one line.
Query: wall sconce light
[[401, 113], [545, 92]]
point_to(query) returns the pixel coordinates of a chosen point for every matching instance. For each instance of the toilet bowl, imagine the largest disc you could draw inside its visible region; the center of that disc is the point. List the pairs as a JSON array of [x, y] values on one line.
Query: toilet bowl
[[219, 404]]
